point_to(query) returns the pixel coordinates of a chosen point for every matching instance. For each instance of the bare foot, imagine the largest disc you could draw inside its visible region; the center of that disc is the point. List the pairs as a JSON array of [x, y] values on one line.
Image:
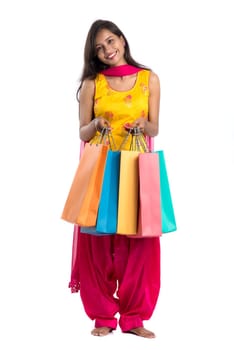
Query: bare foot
[[142, 332], [101, 331]]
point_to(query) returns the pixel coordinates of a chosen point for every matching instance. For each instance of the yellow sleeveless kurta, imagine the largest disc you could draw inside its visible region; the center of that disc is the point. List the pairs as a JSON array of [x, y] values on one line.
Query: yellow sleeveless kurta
[[121, 107]]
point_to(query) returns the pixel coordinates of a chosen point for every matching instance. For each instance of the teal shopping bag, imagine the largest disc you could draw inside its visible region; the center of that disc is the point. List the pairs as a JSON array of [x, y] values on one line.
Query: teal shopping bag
[[167, 210]]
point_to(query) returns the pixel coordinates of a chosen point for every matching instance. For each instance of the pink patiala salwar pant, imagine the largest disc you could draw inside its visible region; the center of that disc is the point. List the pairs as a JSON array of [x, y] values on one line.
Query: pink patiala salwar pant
[[116, 275]]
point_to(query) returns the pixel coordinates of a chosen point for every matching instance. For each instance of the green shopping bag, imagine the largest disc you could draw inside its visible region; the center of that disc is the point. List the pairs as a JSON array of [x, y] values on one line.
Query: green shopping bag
[[167, 210]]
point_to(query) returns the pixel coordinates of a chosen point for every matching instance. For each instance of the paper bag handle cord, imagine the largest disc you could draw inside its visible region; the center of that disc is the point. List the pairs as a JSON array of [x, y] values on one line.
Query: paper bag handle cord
[[138, 140], [105, 138]]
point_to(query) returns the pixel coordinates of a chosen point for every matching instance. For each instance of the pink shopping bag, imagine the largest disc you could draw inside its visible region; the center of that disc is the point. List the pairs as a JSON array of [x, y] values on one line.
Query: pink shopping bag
[[149, 216]]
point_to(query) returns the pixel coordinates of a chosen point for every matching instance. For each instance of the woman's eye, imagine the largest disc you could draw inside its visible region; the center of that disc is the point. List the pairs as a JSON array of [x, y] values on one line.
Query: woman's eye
[[98, 49], [110, 41]]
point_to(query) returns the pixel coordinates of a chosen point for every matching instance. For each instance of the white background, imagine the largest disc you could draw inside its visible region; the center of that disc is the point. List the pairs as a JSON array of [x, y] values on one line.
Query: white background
[[189, 44]]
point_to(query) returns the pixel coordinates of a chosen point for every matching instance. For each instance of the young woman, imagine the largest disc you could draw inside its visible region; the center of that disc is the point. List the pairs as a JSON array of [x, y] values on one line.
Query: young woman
[[118, 277]]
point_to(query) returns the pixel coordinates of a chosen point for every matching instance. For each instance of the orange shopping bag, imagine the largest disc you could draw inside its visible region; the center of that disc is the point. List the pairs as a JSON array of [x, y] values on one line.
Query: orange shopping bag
[[82, 203]]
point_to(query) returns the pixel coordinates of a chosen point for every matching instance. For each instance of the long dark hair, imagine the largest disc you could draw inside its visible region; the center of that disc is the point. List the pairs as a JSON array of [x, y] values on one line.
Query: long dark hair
[[92, 65]]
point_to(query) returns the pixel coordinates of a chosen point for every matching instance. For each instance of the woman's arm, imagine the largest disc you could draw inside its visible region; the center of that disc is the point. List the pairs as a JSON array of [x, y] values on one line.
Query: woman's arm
[[86, 101], [150, 127], [88, 125]]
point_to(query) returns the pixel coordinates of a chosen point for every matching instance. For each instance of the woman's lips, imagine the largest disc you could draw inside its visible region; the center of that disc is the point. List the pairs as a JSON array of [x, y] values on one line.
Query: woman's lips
[[111, 56]]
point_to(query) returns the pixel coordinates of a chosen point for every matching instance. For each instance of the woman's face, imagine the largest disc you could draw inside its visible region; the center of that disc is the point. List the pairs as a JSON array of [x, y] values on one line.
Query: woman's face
[[110, 48]]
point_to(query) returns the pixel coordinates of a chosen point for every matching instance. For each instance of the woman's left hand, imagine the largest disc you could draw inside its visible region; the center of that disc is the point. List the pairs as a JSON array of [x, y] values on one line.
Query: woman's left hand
[[140, 123]]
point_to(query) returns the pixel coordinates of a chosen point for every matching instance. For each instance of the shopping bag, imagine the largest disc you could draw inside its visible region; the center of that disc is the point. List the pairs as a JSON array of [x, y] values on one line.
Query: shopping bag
[[82, 202], [128, 193], [92, 230], [149, 216], [108, 206], [167, 209]]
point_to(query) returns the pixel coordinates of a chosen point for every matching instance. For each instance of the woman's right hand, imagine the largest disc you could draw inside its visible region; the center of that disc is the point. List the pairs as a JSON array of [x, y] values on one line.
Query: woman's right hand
[[101, 123]]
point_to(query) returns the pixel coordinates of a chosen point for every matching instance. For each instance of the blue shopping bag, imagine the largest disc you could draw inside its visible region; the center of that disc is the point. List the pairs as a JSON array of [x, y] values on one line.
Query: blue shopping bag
[[108, 207], [91, 230]]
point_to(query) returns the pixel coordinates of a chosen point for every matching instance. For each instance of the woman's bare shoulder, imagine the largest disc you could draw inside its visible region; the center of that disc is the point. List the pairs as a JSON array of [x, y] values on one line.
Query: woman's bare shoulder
[[88, 84], [154, 78], [87, 88]]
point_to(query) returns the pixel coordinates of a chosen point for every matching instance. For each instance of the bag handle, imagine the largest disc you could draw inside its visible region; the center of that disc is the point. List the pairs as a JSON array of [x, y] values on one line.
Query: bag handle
[[105, 137], [138, 140]]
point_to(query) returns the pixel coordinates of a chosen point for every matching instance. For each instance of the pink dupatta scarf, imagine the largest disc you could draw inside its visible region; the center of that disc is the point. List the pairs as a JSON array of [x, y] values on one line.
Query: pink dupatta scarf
[[120, 71], [74, 283]]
